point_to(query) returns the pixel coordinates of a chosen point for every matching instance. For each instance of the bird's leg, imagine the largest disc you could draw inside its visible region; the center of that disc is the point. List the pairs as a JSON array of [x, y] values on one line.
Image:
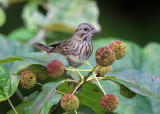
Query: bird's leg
[[75, 84]]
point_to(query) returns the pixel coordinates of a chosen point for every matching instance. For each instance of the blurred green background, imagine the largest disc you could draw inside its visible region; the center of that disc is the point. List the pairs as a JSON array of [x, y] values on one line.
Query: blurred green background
[[131, 20]]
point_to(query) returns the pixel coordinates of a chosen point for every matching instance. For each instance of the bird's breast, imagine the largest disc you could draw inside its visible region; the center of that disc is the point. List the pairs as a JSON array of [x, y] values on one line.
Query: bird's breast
[[83, 50]]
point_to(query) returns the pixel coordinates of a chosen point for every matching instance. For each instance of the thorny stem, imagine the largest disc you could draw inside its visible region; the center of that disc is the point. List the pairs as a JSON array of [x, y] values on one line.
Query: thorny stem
[[12, 106], [99, 84], [87, 76]]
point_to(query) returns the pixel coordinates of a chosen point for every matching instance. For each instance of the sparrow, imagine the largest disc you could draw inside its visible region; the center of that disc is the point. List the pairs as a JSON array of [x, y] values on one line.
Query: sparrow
[[79, 45]]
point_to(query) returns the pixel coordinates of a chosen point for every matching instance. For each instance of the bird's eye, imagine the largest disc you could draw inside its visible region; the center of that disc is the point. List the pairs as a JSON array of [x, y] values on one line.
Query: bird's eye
[[85, 28]]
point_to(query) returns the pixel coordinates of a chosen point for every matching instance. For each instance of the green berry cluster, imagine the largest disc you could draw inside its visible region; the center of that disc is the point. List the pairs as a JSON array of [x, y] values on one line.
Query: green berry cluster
[[124, 91], [27, 79], [102, 71]]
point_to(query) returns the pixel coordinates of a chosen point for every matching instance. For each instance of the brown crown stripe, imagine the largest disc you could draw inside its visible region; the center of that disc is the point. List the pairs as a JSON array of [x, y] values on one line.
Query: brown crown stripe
[[89, 25]]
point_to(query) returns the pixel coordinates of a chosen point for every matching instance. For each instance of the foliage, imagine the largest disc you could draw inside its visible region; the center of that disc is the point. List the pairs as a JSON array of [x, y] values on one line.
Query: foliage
[[138, 71]]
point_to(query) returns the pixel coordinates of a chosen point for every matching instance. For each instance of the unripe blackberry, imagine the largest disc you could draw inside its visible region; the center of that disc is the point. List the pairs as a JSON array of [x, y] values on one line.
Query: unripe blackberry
[[55, 68], [109, 102], [39, 70], [69, 102], [102, 71], [119, 48], [27, 79], [105, 56], [124, 91]]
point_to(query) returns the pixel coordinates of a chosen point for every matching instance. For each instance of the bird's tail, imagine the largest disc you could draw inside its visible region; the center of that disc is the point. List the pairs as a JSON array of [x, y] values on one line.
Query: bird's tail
[[42, 47]]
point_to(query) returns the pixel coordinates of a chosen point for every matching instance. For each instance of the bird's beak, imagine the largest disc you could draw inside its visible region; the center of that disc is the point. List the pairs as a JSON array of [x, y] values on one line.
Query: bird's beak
[[94, 31]]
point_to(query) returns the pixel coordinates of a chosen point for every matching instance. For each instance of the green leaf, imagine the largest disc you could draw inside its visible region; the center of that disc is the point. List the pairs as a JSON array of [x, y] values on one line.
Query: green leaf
[[90, 96], [21, 106], [3, 17], [10, 59], [150, 63], [43, 58], [62, 16], [81, 110], [21, 34], [150, 59], [142, 83], [10, 48], [8, 84], [44, 100]]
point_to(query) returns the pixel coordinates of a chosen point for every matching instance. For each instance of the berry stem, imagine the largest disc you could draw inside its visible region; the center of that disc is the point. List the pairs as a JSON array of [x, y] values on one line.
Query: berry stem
[[77, 70], [99, 84], [91, 71], [87, 62], [71, 81], [39, 84], [77, 87], [59, 92], [12, 106]]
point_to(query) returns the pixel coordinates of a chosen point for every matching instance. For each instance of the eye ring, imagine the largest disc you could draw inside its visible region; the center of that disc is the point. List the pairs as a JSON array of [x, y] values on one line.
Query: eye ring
[[85, 29]]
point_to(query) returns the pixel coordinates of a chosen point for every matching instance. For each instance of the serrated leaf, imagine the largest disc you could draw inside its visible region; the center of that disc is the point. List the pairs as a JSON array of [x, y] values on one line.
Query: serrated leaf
[[43, 58], [8, 84], [47, 98], [143, 83]]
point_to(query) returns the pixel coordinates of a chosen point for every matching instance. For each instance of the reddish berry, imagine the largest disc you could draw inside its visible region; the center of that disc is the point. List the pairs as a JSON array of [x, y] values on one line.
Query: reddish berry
[[55, 68], [69, 102], [109, 102], [105, 56]]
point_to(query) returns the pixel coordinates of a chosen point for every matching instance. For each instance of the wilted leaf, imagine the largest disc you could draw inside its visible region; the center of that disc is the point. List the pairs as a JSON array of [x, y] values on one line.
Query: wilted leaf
[[8, 84]]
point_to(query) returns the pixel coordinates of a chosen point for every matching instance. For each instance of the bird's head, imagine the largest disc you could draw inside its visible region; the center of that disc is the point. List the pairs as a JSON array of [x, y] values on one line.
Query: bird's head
[[85, 32]]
